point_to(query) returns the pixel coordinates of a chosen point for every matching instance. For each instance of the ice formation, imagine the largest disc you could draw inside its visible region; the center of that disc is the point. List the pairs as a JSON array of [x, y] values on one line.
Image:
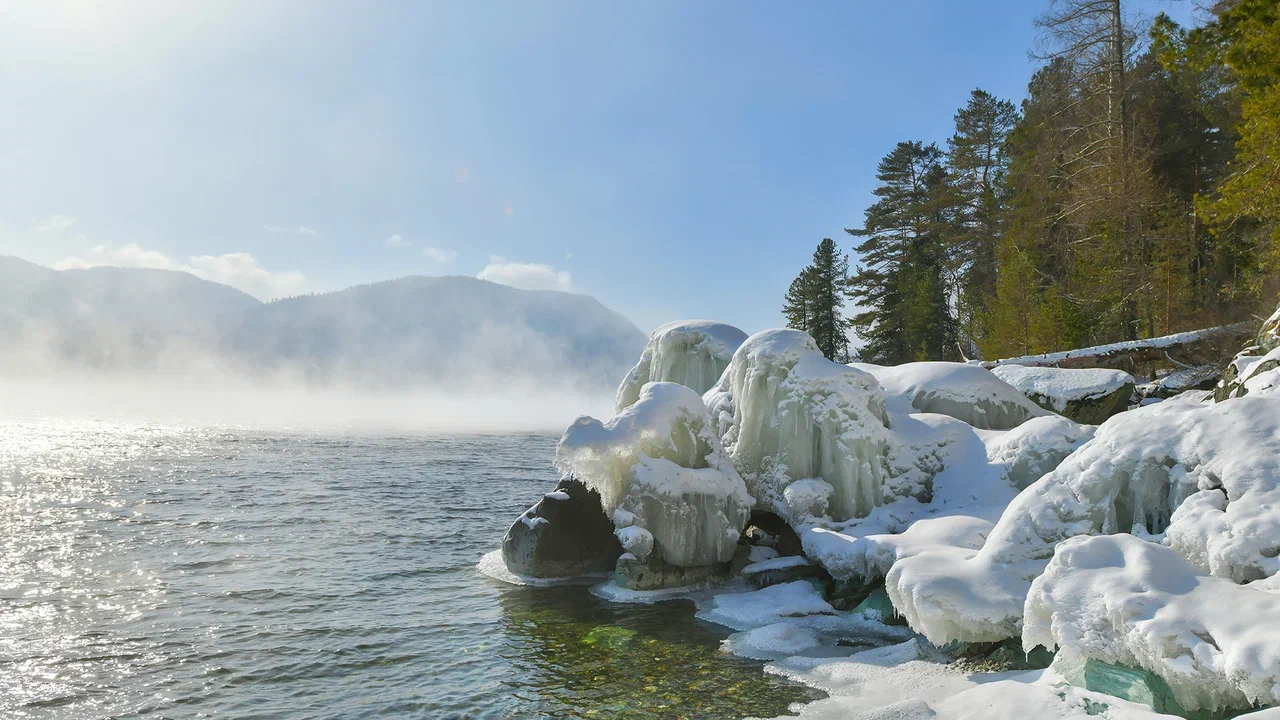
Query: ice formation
[[965, 392], [662, 476], [1127, 601], [786, 413], [692, 353], [1202, 477]]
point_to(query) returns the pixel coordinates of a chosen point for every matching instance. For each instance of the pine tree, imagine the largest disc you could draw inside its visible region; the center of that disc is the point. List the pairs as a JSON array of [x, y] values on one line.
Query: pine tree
[[823, 287], [978, 163], [901, 285], [798, 304]]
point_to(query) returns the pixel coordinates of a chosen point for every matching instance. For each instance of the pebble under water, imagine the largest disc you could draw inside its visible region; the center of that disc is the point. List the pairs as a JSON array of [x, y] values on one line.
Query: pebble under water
[[168, 571]]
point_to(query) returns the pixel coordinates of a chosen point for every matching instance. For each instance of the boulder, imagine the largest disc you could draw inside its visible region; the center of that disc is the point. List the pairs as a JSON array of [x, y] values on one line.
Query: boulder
[[1088, 396], [778, 570], [565, 535]]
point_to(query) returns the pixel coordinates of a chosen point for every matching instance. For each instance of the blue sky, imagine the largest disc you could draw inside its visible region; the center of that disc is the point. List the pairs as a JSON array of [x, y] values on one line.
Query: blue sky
[[673, 159]]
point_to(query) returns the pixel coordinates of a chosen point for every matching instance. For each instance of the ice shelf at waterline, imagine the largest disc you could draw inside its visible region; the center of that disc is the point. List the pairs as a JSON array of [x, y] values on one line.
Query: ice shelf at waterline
[[823, 509]]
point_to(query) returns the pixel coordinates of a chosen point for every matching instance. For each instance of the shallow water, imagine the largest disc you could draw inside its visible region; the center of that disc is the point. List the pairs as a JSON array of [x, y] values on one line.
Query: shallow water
[[169, 571]]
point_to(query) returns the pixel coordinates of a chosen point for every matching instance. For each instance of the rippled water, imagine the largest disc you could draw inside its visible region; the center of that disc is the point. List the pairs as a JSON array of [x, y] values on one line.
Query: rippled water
[[164, 571]]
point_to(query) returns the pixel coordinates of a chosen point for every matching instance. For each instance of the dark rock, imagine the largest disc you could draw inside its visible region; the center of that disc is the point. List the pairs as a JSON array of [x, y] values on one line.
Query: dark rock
[[877, 606], [780, 570], [1003, 656], [848, 594], [562, 537], [785, 540], [653, 573]]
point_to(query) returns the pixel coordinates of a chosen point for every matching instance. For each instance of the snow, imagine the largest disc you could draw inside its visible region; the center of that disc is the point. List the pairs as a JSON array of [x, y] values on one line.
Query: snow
[[1126, 601], [786, 413], [659, 461], [1134, 476], [772, 641], [1059, 386], [965, 392], [1036, 447], [692, 353], [968, 496], [807, 498], [557, 495], [776, 563], [743, 611]]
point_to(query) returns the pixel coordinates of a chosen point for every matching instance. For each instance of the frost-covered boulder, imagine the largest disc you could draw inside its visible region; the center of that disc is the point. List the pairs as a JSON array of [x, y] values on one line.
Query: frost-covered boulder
[[1122, 600], [663, 477], [1269, 334], [966, 392], [1204, 478], [565, 535], [1087, 396], [1252, 372], [692, 353], [786, 413]]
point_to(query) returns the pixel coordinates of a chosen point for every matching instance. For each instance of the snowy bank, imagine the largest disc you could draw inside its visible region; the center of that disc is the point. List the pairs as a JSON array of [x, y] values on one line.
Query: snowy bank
[[965, 392], [1131, 602]]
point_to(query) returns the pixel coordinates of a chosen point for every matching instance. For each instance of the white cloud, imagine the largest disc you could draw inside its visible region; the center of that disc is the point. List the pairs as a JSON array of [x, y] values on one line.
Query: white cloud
[[293, 230], [239, 270], [441, 256], [395, 241], [54, 223], [526, 276]]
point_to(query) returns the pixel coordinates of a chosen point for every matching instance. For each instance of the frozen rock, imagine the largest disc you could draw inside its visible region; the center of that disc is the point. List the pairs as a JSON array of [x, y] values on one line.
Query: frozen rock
[[1125, 601], [659, 468], [692, 353], [776, 571], [786, 413], [565, 535], [1250, 374], [742, 611], [1085, 395], [1202, 477], [965, 392], [653, 573]]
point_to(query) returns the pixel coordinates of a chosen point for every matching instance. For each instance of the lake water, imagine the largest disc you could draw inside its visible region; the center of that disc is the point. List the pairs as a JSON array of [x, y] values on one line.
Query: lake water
[[169, 571]]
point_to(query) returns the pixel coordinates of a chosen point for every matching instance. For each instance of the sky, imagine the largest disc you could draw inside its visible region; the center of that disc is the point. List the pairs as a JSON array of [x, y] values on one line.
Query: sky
[[673, 159]]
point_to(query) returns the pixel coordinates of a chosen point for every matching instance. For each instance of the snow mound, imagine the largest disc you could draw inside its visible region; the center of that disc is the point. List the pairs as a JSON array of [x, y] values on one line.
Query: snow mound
[[965, 392], [659, 463], [1203, 477], [773, 641], [786, 413], [743, 611], [1036, 447], [1126, 601], [692, 353]]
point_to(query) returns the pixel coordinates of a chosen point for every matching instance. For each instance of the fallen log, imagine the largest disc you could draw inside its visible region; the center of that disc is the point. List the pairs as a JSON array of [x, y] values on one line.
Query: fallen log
[[1185, 349]]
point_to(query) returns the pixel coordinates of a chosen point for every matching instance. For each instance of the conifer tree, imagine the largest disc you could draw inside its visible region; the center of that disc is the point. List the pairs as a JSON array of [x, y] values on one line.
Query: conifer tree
[[901, 283], [815, 301]]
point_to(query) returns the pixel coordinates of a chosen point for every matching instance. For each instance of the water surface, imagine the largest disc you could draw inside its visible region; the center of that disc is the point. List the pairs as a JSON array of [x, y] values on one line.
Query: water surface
[[172, 571]]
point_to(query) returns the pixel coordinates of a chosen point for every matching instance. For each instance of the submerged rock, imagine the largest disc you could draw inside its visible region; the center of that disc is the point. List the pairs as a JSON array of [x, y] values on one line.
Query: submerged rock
[[654, 573], [565, 535]]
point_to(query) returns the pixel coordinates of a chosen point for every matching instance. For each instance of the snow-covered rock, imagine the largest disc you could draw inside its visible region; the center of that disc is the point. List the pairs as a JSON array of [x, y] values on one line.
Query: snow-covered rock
[[659, 467], [1251, 373], [965, 392], [786, 413], [1126, 601], [1085, 395], [1203, 477], [693, 353]]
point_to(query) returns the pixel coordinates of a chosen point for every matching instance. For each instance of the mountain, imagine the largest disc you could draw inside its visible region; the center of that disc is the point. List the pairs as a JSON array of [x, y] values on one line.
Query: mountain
[[111, 318], [455, 331]]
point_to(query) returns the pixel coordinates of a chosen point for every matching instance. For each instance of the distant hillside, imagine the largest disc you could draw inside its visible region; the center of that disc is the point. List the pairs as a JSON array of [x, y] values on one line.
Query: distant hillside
[[111, 318], [414, 330]]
